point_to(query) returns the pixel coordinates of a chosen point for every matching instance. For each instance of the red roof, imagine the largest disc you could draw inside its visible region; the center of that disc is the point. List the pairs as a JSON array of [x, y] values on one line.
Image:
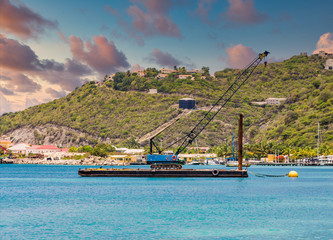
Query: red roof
[[44, 147]]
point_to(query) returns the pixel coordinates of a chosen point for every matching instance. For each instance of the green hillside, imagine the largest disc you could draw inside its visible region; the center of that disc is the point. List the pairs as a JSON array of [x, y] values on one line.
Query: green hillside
[[121, 111]]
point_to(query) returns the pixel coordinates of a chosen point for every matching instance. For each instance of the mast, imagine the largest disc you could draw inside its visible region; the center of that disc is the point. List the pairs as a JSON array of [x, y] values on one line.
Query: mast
[[318, 144], [240, 142]]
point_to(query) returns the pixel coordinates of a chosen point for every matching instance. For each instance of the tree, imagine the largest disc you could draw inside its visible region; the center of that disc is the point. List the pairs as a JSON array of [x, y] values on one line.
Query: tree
[[205, 71]]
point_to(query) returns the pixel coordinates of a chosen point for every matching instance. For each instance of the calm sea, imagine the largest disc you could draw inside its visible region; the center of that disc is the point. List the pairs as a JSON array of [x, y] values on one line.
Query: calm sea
[[53, 202]]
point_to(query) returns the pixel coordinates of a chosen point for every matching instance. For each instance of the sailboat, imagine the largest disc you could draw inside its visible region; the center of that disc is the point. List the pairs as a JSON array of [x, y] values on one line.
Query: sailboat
[[233, 161]]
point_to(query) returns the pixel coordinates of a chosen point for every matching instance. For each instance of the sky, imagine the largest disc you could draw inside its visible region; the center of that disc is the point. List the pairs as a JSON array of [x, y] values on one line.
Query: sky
[[48, 48]]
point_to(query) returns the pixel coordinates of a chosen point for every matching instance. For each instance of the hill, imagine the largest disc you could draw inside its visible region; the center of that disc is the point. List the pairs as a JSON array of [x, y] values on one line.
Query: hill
[[121, 111]]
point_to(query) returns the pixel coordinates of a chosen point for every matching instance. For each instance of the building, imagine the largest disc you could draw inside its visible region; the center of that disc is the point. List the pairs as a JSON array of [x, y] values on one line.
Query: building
[[42, 149], [187, 103], [274, 101], [197, 157], [199, 149], [162, 75], [20, 148], [167, 71], [152, 91], [186, 76], [322, 53], [140, 73], [329, 64], [304, 54], [125, 159], [5, 141]]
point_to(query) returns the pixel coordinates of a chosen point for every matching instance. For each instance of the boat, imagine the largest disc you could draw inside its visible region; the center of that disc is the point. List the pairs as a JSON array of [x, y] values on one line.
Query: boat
[[235, 164], [152, 172]]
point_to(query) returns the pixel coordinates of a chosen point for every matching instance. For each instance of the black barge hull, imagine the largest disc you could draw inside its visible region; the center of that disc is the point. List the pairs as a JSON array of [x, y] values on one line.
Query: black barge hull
[[114, 172]]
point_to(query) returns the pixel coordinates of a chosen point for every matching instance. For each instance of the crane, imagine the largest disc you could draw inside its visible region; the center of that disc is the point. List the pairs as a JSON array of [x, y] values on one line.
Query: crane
[[172, 161]]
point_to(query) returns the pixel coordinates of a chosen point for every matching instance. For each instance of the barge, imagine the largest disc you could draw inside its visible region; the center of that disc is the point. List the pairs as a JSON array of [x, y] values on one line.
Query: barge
[[169, 173]]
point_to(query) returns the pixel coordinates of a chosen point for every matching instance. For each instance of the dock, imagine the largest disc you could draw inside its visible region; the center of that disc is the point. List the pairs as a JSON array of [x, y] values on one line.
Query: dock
[[169, 173]]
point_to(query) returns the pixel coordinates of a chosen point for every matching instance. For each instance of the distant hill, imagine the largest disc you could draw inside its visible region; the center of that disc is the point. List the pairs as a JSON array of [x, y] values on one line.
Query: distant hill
[[121, 111]]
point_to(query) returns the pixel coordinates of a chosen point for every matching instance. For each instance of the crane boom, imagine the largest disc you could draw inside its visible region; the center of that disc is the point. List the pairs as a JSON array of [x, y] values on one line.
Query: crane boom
[[208, 117], [221, 102]]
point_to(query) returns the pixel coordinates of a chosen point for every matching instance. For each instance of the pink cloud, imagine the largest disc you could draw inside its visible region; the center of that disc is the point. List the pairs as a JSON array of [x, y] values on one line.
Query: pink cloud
[[18, 82], [155, 21], [325, 43], [244, 12], [22, 21], [239, 56], [101, 55], [17, 56], [20, 65]]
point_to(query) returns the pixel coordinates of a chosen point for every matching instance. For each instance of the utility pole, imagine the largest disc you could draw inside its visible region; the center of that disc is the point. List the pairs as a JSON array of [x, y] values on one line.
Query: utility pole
[[240, 142]]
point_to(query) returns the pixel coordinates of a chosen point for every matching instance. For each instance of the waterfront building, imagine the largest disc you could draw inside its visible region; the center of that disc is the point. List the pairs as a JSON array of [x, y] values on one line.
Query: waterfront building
[[43, 149], [20, 148]]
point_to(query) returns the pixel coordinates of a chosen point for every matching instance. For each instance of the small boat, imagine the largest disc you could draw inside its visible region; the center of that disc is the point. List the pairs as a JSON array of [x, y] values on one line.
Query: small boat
[[235, 164]]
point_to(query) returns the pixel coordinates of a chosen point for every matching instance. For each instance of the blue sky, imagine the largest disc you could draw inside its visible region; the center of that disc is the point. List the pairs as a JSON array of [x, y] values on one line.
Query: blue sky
[[50, 47]]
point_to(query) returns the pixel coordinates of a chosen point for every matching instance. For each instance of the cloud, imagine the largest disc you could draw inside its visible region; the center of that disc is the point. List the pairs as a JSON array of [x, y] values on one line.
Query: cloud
[[203, 10], [239, 56], [22, 21], [137, 67], [149, 18], [243, 12], [101, 55], [63, 38], [18, 82], [6, 91], [5, 105], [55, 94], [17, 56], [125, 26], [30, 102], [21, 63], [325, 43], [155, 21], [163, 59]]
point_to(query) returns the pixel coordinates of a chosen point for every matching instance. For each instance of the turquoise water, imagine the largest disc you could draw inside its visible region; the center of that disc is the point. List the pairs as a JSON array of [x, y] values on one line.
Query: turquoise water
[[53, 202]]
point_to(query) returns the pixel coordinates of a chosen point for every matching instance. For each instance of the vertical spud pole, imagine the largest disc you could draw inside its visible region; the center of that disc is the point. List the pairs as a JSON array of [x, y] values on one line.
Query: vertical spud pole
[[240, 142]]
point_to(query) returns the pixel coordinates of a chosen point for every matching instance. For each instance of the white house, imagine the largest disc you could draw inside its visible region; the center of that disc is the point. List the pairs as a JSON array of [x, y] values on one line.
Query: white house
[[274, 101], [19, 148], [162, 75], [329, 64]]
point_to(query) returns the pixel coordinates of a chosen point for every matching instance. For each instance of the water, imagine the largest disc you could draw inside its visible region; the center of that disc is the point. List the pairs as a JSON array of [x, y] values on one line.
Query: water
[[53, 202]]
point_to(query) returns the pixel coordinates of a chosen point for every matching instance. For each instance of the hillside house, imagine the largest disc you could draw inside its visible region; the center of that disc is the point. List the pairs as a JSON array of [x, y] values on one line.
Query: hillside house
[[329, 64], [43, 149], [274, 101], [186, 76], [140, 73], [162, 75], [167, 71], [152, 91]]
